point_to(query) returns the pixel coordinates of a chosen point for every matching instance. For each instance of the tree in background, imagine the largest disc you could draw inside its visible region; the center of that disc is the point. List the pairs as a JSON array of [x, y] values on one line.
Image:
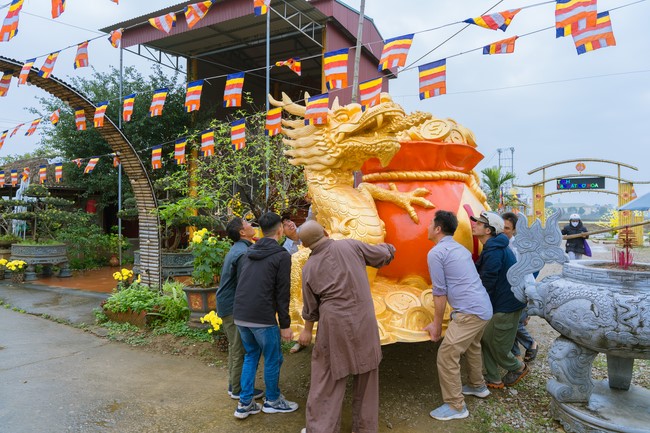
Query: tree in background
[[493, 182]]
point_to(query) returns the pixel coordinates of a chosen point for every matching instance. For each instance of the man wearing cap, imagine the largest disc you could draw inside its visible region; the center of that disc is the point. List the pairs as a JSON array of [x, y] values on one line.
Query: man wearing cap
[[336, 294], [499, 335], [575, 247]]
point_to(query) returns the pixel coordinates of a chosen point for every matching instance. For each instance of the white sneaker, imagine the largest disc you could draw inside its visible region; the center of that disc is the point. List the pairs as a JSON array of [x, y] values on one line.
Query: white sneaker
[[476, 391], [446, 413], [281, 405], [251, 409]]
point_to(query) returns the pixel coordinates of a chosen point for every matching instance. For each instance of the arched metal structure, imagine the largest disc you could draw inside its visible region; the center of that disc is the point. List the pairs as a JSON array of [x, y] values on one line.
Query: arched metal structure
[[149, 223]]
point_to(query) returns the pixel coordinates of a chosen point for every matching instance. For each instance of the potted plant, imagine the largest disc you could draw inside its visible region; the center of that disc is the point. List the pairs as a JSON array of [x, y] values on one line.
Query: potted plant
[[130, 303], [209, 252], [17, 268]]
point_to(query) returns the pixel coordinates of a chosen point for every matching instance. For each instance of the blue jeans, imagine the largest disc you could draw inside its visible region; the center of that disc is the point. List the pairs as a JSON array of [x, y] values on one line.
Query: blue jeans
[[523, 337], [260, 341]]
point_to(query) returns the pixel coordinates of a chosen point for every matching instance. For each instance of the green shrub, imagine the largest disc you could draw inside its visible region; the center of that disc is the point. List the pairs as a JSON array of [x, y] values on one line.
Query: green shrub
[[172, 304], [137, 297]]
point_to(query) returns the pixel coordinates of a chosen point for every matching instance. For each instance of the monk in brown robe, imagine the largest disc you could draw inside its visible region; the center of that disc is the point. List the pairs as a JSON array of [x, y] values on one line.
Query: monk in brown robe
[[336, 294]]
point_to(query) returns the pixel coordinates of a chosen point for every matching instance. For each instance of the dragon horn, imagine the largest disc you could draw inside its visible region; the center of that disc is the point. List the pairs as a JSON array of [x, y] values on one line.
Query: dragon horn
[[288, 105]]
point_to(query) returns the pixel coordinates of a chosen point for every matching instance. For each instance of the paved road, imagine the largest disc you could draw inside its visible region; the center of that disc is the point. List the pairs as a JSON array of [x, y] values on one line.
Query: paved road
[[56, 378]]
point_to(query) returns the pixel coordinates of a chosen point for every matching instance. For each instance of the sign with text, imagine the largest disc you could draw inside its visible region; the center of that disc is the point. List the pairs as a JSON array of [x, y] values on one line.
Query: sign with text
[[581, 183]]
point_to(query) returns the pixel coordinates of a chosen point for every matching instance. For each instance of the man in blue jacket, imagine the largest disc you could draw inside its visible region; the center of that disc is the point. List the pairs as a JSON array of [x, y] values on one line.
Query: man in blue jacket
[[263, 291], [499, 335]]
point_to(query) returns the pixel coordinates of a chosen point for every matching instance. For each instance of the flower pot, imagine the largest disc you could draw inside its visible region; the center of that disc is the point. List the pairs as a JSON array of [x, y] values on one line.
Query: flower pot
[[114, 261], [17, 277], [132, 317], [200, 300], [42, 254]]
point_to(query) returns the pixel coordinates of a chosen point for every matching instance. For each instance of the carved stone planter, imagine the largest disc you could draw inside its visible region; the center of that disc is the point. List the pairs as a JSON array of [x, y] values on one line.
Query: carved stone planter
[[174, 264], [137, 319], [200, 300], [47, 255]]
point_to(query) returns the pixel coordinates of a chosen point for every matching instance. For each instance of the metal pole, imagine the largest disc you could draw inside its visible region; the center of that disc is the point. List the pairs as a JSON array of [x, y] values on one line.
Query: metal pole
[[119, 167], [268, 90], [357, 53]]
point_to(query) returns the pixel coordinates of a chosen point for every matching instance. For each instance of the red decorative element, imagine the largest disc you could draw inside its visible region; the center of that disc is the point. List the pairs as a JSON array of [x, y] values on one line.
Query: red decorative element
[[91, 206], [538, 196], [580, 167]]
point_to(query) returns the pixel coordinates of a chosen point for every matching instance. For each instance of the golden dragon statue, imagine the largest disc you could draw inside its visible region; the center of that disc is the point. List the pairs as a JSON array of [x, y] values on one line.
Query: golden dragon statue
[[353, 139]]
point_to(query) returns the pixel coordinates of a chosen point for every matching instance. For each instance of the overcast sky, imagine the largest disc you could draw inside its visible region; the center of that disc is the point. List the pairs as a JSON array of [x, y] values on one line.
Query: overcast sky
[[544, 100]]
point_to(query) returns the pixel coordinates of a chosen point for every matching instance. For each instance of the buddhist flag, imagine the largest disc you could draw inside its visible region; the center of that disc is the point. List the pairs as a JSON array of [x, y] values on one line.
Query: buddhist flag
[[117, 2], [196, 11], [593, 38], [80, 119], [505, 46], [207, 142], [238, 134], [316, 109], [9, 27], [100, 112], [497, 21], [116, 160], [5, 82], [193, 95], [32, 127], [26, 173], [42, 174], [48, 65], [127, 107], [91, 165], [179, 150], [232, 93], [335, 67], [115, 38], [261, 7], [58, 7], [3, 137], [156, 157], [293, 63], [14, 177], [370, 92], [24, 72], [77, 161], [158, 102], [395, 52], [164, 23], [58, 172], [81, 59], [273, 122], [2, 179], [55, 116], [433, 78], [15, 130], [571, 15]]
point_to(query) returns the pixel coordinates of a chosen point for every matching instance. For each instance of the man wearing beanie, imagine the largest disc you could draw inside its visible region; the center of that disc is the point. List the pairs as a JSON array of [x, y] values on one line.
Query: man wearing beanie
[[336, 294]]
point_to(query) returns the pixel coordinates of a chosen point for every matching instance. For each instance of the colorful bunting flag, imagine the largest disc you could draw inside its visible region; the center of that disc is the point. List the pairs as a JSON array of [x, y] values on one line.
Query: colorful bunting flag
[[433, 78], [9, 27], [164, 23], [232, 93], [48, 65], [55, 116], [273, 122], [26, 173], [238, 134], [14, 177], [196, 11], [58, 7], [179, 151], [505, 46], [370, 92], [293, 63], [395, 52], [80, 119], [3, 137], [15, 130], [497, 21], [207, 142], [261, 7], [77, 161], [571, 15], [91, 165], [24, 72], [156, 157], [58, 172], [158, 102], [116, 160], [100, 112], [316, 109], [115, 38], [42, 174], [5, 82], [335, 67], [127, 107], [117, 2], [594, 38], [81, 59], [32, 127], [2, 179], [193, 95]]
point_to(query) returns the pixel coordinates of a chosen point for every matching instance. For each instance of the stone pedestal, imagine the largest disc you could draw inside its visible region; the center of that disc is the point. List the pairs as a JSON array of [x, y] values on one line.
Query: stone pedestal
[[46, 255]]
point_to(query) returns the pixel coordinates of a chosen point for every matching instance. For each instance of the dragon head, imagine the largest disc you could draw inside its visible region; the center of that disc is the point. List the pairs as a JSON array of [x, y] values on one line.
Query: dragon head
[[350, 137]]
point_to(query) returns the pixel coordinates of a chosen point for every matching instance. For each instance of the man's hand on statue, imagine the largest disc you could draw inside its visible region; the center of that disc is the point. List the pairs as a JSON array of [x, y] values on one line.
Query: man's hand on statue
[[434, 331], [286, 334], [304, 339]]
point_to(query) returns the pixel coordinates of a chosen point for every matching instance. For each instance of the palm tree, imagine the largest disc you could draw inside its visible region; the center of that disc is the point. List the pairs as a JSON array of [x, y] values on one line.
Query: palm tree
[[493, 182]]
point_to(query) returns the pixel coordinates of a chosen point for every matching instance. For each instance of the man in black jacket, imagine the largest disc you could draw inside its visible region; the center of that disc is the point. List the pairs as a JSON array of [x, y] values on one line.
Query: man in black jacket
[[263, 290]]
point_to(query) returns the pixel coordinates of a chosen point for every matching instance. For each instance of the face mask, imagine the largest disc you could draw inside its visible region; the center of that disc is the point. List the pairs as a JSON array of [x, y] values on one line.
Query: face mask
[[574, 223]]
